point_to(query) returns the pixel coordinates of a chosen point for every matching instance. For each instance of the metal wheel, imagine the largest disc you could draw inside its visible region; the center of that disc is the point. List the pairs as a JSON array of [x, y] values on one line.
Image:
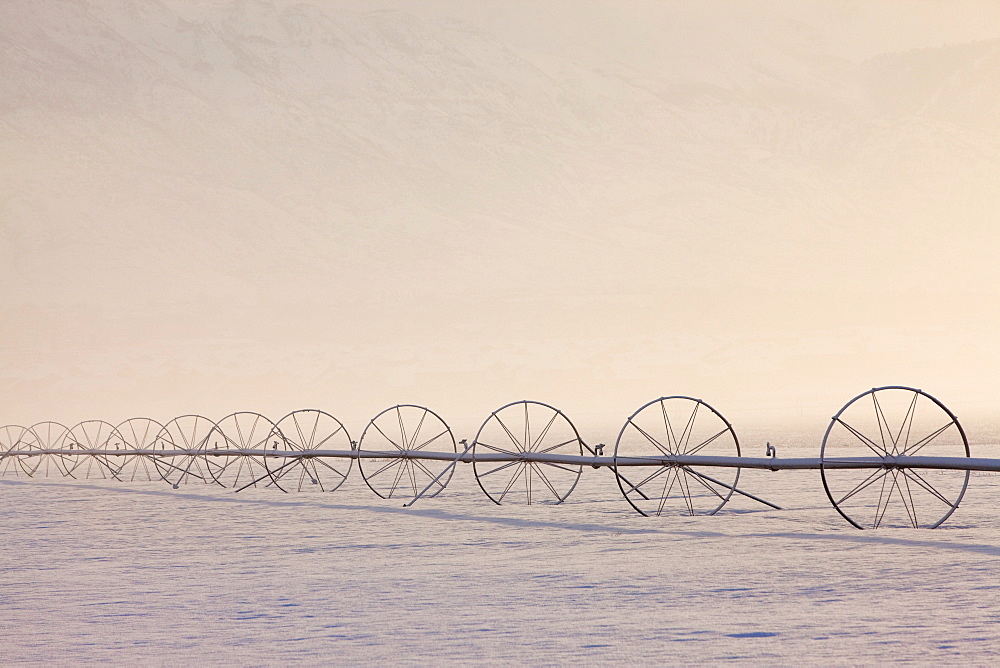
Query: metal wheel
[[527, 427], [234, 453], [182, 442], [10, 441], [405, 429], [136, 434], [880, 424], [93, 435], [306, 431], [676, 426], [48, 436]]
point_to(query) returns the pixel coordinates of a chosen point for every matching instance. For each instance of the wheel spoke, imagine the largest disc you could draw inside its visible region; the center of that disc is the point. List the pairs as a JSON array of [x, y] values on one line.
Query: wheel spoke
[[432, 439], [392, 462], [399, 476], [688, 429], [282, 471], [706, 442], [239, 432], [541, 436], [402, 428], [927, 439], [239, 470], [499, 468], [685, 491], [431, 476], [872, 445], [310, 468], [668, 485], [560, 466], [326, 438], [545, 479], [260, 444], [104, 461], [509, 433], [412, 473], [162, 462], [902, 497], [413, 439], [527, 441], [510, 484], [321, 462], [557, 446], [312, 434], [655, 474], [287, 468], [493, 447], [929, 488], [883, 424], [880, 509], [701, 479], [875, 475], [527, 482], [230, 443], [672, 445], [907, 424], [652, 440], [398, 446], [298, 430]]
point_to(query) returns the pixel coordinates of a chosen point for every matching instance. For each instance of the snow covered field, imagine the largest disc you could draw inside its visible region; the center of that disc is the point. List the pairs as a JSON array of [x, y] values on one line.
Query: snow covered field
[[213, 206], [103, 571]]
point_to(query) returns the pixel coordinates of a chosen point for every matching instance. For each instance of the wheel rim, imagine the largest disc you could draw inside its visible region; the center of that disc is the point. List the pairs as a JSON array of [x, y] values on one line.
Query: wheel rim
[[233, 451], [522, 427], [405, 428], [676, 425], [304, 431], [137, 434], [48, 436], [93, 435], [188, 435], [10, 439], [886, 422]]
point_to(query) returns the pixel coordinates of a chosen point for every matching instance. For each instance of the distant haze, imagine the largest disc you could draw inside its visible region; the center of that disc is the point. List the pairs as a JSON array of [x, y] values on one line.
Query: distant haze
[[210, 207]]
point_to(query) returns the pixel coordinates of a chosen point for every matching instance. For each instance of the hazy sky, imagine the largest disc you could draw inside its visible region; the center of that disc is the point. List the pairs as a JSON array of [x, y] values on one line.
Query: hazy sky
[[211, 207]]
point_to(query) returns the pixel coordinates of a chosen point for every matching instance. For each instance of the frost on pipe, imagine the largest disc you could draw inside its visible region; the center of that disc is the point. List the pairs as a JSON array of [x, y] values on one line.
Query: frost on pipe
[[527, 427], [306, 431], [671, 426], [877, 426], [394, 441]]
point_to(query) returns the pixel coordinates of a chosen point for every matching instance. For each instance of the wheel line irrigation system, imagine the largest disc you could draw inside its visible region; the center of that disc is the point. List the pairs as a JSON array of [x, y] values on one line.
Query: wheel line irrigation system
[[892, 456]]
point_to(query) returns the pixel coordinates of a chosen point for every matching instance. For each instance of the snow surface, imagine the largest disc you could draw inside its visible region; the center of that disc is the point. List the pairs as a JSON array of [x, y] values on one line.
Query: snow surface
[[219, 206], [138, 572]]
